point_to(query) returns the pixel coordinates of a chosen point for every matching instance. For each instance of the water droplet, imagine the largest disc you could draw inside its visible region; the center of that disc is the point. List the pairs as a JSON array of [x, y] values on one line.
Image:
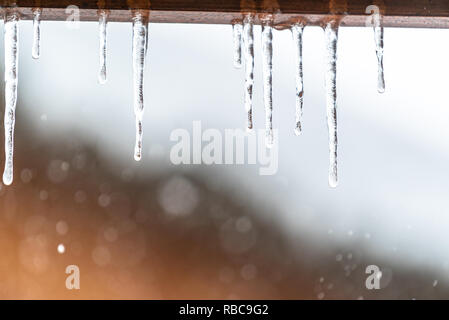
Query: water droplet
[[267, 71], [178, 197], [61, 248], [243, 224], [43, 195], [26, 175], [57, 171], [248, 272], [110, 234], [101, 256], [104, 200], [80, 196]]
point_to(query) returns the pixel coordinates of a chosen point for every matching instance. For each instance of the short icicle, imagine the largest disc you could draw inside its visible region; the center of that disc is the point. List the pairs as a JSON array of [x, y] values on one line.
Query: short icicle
[[237, 29], [139, 52], [102, 38], [331, 35], [36, 48], [248, 42], [11, 70], [297, 33], [379, 40], [267, 70]]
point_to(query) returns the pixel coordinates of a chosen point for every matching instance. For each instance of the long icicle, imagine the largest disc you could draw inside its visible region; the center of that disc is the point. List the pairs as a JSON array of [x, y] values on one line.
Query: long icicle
[[297, 32], [379, 40], [102, 23], [237, 29], [11, 70], [248, 42], [331, 35], [36, 48], [139, 52], [267, 70]]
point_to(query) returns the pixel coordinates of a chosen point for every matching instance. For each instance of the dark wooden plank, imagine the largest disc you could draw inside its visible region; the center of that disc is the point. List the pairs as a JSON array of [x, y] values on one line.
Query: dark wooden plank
[[396, 13]]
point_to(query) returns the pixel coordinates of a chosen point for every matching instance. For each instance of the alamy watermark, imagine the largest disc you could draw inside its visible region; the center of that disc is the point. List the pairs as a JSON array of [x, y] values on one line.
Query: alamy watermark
[[374, 16], [231, 147], [73, 280], [73, 17], [373, 280]]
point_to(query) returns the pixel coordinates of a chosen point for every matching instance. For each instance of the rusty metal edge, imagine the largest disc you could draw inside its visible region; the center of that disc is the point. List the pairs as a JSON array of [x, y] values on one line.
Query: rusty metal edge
[[281, 21]]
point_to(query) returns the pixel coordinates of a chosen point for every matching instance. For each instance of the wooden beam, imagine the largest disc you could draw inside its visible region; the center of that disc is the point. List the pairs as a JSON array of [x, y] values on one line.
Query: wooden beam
[[396, 13]]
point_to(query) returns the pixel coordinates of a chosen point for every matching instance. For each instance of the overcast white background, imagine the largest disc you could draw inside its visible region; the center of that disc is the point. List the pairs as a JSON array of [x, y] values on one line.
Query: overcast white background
[[393, 151]]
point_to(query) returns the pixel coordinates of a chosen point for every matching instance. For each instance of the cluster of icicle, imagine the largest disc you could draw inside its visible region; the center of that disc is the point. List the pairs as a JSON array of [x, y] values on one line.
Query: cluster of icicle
[[139, 48], [243, 34]]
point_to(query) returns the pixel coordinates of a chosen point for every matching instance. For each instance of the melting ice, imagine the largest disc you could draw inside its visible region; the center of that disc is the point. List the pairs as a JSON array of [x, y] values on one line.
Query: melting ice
[[297, 32], [331, 36], [248, 42], [267, 70], [237, 29], [242, 33], [379, 40], [36, 47], [102, 37], [11, 69], [138, 54]]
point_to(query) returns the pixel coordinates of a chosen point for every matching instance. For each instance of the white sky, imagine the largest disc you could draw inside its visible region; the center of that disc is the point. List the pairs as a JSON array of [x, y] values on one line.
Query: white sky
[[394, 148]]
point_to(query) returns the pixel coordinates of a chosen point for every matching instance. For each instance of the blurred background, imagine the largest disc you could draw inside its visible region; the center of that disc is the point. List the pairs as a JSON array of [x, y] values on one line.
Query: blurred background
[[153, 230]]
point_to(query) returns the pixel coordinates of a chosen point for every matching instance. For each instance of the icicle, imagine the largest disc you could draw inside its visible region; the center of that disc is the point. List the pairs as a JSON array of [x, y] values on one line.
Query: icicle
[[297, 32], [237, 29], [267, 70], [331, 35], [36, 49], [102, 38], [11, 69], [379, 40], [139, 52], [248, 42]]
